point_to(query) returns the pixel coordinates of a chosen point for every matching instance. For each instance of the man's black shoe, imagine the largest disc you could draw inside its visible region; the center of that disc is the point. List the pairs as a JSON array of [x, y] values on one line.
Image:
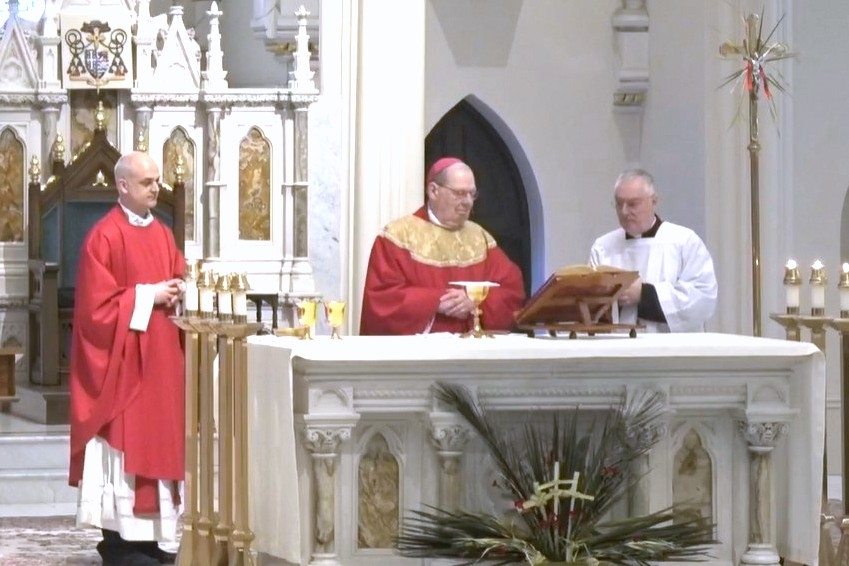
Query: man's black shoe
[[134, 559]]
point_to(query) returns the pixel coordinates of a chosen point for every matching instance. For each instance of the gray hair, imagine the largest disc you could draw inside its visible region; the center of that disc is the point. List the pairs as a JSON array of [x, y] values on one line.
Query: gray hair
[[631, 174]]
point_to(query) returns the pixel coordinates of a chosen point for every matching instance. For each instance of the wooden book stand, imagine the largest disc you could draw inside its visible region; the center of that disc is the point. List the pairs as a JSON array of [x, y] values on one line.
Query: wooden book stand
[[578, 298]]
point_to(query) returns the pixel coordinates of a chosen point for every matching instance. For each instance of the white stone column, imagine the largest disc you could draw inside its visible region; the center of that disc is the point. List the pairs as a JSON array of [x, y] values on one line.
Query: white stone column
[[387, 150], [761, 438], [449, 436], [323, 442], [212, 235], [638, 439]]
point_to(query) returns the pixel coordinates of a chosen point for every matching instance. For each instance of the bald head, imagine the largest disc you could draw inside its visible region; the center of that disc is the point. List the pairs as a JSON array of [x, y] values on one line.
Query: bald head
[[137, 182]]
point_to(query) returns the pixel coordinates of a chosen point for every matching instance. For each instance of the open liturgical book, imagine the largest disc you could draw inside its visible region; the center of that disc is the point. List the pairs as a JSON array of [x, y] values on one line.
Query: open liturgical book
[[578, 298]]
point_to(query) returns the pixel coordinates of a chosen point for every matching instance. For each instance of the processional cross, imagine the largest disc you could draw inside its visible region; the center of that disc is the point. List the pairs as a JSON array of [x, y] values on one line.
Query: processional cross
[[756, 52]]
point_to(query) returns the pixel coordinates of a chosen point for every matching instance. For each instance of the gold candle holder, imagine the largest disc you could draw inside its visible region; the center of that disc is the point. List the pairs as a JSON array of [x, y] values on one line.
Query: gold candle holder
[[792, 286], [818, 280], [843, 289]]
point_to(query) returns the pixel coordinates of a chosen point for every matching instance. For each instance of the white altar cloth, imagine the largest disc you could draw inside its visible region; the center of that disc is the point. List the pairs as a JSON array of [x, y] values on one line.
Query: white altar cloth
[[287, 377]]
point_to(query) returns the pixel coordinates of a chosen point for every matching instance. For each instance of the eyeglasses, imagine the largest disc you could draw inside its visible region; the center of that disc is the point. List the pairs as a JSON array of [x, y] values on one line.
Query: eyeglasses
[[460, 194], [630, 203]]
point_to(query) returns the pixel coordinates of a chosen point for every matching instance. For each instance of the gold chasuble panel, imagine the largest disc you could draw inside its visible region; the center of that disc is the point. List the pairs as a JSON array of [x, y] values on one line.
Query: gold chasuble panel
[[179, 144], [11, 187], [255, 187]]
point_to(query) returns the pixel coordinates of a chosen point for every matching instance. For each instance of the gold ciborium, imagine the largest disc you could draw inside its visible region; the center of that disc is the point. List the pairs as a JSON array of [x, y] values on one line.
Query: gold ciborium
[[335, 312], [306, 317], [477, 291]]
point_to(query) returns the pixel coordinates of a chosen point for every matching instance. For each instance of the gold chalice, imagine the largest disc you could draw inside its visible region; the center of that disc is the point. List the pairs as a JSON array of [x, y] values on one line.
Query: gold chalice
[[335, 312], [306, 317], [477, 291]]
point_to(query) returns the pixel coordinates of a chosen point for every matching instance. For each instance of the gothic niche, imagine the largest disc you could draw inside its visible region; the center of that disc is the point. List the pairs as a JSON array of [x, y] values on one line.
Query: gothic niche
[[83, 107], [378, 496], [179, 144], [254, 187], [11, 187], [692, 480]]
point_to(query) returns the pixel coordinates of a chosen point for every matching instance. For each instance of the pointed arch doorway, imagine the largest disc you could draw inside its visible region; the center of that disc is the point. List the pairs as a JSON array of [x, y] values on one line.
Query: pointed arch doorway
[[468, 131]]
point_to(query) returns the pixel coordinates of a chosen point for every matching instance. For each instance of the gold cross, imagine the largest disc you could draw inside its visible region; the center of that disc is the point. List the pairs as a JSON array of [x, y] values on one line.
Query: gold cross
[[756, 52]]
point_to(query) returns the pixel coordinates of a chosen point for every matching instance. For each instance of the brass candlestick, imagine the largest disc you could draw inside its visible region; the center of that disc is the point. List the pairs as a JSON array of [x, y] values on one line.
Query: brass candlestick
[[223, 530], [241, 535], [189, 540], [790, 323]]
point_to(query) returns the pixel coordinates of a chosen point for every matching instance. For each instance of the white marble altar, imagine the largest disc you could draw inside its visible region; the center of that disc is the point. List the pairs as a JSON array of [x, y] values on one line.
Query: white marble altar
[[320, 410]]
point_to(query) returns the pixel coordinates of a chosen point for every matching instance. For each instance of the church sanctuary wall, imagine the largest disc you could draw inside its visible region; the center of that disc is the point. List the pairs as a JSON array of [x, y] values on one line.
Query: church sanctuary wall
[[820, 173], [549, 73]]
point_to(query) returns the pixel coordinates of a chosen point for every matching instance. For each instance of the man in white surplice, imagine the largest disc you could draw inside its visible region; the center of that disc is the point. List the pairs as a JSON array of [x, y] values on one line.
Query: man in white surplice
[[676, 290]]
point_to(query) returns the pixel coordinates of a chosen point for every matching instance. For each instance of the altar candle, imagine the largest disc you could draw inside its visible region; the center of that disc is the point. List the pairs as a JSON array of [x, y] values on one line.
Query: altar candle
[[190, 297], [206, 290], [792, 282], [225, 300], [843, 286], [818, 281], [240, 287]]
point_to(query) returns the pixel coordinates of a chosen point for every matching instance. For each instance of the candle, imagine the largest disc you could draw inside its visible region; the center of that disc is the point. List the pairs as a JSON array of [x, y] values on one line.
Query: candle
[[190, 297], [225, 300], [240, 288], [206, 290], [843, 287], [792, 283], [818, 281], [190, 294]]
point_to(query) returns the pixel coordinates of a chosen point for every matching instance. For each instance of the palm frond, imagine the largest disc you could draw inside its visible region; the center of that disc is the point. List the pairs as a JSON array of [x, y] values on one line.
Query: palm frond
[[603, 458]]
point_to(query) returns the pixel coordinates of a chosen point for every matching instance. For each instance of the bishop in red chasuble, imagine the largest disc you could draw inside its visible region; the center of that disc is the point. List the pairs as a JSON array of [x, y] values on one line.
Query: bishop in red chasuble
[[415, 258]]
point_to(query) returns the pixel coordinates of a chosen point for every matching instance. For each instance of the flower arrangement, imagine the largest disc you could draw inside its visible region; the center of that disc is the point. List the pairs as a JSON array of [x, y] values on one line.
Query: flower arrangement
[[564, 485]]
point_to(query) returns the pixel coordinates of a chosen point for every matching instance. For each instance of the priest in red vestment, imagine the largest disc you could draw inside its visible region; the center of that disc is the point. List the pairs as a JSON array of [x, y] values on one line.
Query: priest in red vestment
[[127, 375], [414, 260]]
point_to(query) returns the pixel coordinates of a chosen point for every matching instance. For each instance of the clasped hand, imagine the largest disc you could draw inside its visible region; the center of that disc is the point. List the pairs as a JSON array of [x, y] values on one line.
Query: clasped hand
[[631, 295], [169, 292], [455, 303]]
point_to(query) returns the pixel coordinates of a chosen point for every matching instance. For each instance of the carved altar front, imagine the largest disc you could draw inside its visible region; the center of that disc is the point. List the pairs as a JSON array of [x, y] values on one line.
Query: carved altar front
[[345, 435]]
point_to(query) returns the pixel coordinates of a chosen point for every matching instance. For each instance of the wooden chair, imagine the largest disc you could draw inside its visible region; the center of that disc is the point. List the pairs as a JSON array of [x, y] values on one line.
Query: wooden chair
[[60, 215]]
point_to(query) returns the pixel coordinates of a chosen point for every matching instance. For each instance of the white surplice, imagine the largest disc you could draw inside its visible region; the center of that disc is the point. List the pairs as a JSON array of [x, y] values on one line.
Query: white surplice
[[679, 266]]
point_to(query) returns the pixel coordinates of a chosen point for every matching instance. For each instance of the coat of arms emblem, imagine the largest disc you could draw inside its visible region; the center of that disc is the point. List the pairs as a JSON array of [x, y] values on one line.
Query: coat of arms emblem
[[98, 54]]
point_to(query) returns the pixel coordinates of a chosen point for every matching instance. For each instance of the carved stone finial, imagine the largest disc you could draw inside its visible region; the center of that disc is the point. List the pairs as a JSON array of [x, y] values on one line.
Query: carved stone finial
[[57, 150], [100, 117], [141, 142], [179, 169], [34, 169], [302, 75]]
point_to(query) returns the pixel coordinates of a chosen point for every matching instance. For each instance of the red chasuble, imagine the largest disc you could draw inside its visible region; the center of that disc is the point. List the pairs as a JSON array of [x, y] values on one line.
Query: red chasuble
[[412, 263], [127, 386]]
